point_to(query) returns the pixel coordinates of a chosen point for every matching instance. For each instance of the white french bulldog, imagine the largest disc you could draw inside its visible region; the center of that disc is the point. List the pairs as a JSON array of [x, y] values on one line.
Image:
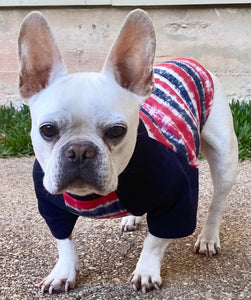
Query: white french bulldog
[[124, 142]]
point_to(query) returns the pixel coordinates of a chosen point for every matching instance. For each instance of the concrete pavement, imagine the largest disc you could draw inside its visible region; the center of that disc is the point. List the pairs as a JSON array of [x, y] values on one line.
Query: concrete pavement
[[28, 251]]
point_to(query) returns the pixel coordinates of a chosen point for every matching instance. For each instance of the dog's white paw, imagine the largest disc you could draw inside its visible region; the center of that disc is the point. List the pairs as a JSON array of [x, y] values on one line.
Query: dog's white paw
[[146, 276], [63, 276], [207, 244], [130, 223], [146, 279], [61, 279]]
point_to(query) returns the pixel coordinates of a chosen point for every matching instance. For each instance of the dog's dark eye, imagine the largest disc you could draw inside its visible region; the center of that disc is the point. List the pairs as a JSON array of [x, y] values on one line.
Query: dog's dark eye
[[116, 132], [48, 131]]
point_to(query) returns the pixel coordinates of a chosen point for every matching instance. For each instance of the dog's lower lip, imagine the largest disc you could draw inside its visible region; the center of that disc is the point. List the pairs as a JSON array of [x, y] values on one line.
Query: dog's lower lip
[[78, 183], [80, 188]]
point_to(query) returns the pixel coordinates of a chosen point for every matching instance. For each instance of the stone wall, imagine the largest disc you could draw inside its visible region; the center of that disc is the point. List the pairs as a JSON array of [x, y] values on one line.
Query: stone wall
[[218, 37]]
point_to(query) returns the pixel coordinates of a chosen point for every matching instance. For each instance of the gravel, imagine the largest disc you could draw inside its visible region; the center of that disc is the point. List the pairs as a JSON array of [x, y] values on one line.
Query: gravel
[[28, 251]]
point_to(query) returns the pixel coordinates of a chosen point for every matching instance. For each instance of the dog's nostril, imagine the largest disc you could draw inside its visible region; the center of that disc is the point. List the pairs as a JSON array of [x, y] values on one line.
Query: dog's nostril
[[90, 153], [70, 153]]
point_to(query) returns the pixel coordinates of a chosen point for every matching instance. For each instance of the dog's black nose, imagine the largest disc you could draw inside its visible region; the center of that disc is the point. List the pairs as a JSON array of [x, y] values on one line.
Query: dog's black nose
[[80, 152]]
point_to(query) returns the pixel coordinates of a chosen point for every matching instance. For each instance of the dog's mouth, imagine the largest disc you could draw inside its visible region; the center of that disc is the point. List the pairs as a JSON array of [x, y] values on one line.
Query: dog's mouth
[[80, 188], [85, 186], [80, 181]]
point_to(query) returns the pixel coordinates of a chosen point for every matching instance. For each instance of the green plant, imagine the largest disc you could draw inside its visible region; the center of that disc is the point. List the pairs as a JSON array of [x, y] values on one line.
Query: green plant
[[242, 124], [15, 127]]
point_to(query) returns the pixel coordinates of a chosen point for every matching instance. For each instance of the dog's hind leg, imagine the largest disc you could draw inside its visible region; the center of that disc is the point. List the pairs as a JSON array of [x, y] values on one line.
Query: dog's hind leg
[[219, 145]]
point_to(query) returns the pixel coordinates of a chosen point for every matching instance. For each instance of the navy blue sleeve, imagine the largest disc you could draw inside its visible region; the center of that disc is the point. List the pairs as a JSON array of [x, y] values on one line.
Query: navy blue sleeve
[[52, 207], [178, 219]]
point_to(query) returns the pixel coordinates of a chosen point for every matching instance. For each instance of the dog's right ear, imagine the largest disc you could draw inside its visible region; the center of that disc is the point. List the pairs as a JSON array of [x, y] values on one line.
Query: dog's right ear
[[39, 58]]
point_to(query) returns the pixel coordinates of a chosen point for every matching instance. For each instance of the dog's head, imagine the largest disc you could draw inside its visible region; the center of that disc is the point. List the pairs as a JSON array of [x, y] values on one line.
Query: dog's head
[[84, 125]]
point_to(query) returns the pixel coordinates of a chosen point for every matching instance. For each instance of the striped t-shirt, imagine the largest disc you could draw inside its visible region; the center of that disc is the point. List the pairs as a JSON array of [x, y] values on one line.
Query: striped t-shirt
[[161, 178], [177, 110]]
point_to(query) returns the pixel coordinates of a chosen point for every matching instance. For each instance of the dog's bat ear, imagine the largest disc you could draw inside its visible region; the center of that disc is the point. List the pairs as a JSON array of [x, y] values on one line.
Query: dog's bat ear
[[132, 54], [40, 60]]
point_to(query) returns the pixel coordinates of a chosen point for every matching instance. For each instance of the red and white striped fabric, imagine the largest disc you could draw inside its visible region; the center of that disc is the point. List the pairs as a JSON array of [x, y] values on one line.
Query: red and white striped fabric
[[177, 110]]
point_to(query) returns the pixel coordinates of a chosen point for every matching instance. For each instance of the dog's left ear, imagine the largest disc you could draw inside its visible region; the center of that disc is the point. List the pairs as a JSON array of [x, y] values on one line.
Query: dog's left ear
[[132, 54], [39, 57]]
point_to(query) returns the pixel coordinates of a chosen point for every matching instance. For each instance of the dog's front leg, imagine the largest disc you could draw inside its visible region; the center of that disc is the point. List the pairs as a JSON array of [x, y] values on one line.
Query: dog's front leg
[[146, 276], [63, 275]]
